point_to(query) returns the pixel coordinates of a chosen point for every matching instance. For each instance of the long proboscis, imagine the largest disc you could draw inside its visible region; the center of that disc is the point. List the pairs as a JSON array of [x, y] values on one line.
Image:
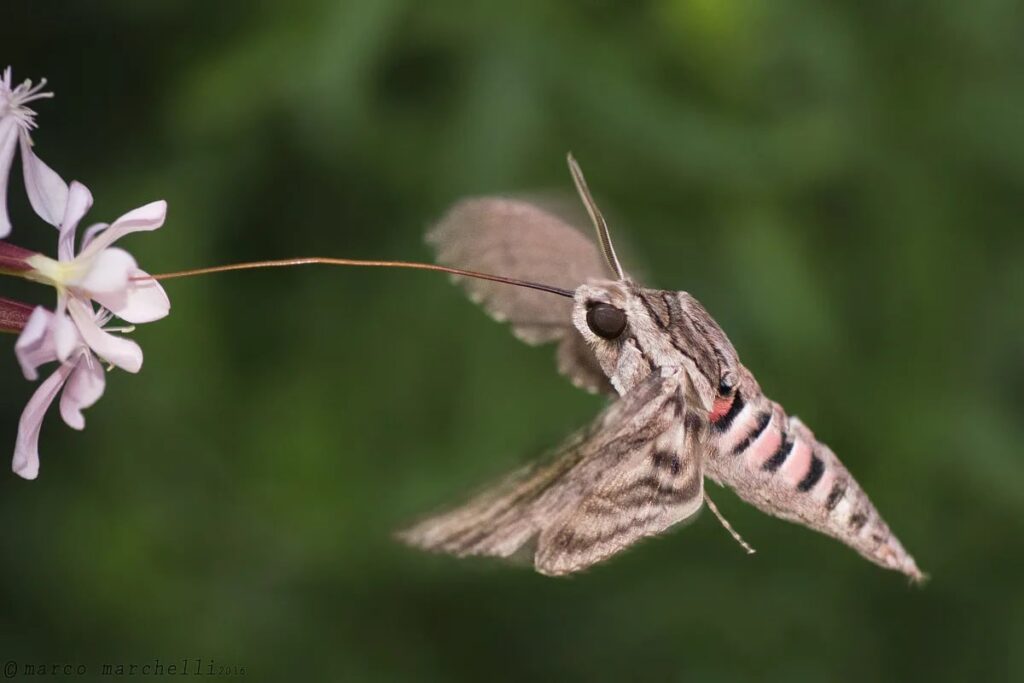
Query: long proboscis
[[324, 261]]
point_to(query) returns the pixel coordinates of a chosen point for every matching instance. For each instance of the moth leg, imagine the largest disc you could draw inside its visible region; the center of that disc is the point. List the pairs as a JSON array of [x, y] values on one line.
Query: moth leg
[[728, 527]]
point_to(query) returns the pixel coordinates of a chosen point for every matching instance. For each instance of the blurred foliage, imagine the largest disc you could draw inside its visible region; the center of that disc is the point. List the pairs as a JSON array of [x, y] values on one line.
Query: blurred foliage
[[840, 184]]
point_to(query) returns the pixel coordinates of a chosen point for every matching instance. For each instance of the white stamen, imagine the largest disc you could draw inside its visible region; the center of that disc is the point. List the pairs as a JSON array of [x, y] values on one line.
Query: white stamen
[[13, 100]]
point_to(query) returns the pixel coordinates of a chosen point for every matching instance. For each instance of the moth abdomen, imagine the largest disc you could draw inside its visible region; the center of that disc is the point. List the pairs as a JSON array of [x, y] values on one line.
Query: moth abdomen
[[761, 423], [775, 462], [780, 455], [835, 495], [814, 474]]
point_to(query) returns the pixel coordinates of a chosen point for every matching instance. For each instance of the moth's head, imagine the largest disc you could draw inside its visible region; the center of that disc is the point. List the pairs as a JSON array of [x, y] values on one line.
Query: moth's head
[[635, 331], [604, 313]]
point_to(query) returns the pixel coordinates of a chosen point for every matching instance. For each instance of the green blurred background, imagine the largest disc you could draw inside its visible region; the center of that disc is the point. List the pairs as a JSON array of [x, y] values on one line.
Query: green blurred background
[[839, 183]]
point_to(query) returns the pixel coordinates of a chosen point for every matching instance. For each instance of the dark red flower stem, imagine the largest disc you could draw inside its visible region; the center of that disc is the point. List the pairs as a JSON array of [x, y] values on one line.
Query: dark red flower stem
[[13, 315], [14, 259]]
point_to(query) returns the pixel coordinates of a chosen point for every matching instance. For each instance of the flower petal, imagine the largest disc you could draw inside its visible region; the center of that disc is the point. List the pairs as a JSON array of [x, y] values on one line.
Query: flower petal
[[109, 272], [148, 217], [123, 353], [8, 143], [26, 448], [89, 233], [47, 192], [65, 336], [79, 201], [35, 344], [83, 389], [142, 301]]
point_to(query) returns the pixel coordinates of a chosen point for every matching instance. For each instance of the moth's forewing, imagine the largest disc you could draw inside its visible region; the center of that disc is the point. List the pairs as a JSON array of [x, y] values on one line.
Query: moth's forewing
[[633, 473], [656, 480]]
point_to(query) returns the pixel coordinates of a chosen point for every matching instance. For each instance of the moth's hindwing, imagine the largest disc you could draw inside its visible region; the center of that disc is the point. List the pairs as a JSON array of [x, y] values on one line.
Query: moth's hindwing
[[636, 471], [520, 240]]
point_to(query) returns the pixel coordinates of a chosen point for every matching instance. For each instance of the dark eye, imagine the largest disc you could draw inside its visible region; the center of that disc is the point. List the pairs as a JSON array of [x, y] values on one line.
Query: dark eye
[[727, 383], [606, 321]]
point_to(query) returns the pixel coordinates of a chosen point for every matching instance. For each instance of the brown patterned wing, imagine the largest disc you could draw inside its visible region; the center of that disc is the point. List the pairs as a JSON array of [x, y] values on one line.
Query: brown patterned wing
[[517, 239], [635, 472], [652, 487]]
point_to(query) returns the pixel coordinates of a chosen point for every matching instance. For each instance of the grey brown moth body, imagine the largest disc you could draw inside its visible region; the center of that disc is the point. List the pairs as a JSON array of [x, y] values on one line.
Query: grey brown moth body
[[686, 408]]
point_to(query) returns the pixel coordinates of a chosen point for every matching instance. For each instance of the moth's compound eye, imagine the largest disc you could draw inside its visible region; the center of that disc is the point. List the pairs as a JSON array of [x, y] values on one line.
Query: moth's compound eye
[[606, 321], [727, 384]]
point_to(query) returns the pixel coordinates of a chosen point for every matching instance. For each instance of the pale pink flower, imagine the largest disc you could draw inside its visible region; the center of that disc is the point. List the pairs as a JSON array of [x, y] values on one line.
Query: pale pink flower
[[74, 334], [46, 191], [48, 337], [105, 274]]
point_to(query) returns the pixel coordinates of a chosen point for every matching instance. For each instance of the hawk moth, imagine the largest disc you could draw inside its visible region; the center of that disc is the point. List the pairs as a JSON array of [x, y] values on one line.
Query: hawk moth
[[686, 408]]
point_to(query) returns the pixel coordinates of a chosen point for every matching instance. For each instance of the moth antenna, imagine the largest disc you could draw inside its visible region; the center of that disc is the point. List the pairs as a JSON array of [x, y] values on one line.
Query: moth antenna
[[604, 238], [728, 527]]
